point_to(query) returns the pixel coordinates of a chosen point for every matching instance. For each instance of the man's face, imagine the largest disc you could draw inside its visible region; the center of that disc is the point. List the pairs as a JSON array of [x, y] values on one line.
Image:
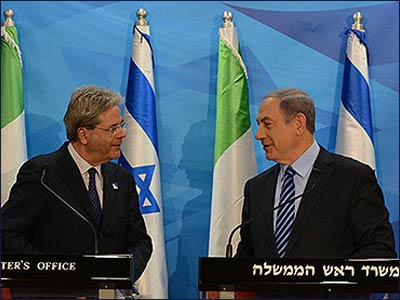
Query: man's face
[[277, 137], [102, 145]]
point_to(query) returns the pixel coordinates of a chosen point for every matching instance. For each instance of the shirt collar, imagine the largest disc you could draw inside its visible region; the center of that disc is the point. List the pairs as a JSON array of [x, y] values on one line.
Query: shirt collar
[[82, 164], [305, 162]]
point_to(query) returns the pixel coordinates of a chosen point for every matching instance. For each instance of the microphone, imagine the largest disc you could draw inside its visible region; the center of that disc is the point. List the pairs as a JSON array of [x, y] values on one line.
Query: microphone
[[45, 168], [229, 250]]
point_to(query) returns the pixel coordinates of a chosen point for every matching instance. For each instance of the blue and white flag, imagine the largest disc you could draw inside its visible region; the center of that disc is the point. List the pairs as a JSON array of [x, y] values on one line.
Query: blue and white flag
[[355, 133], [140, 156]]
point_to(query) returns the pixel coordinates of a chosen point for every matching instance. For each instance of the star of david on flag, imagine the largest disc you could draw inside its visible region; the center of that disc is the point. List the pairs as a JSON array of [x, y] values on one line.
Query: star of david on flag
[[143, 176]]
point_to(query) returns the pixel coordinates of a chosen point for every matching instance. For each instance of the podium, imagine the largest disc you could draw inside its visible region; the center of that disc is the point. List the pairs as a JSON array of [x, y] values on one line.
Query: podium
[[61, 276], [298, 278]]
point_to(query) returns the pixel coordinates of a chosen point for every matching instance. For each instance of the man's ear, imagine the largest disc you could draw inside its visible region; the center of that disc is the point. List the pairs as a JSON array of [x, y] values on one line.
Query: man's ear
[[82, 135], [300, 123]]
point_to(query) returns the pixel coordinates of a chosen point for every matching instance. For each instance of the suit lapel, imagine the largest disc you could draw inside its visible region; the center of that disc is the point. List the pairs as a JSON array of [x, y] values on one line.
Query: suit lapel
[[268, 203], [309, 201], [69, 174], [111, 189]]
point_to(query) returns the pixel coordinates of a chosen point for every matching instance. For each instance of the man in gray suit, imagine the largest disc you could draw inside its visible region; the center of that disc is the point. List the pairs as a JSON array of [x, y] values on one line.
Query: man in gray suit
[[342, 213], [74, 201]]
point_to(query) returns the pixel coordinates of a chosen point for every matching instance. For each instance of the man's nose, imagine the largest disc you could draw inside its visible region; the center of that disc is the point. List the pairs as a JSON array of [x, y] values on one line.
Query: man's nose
[[259, 134], [121, 133]]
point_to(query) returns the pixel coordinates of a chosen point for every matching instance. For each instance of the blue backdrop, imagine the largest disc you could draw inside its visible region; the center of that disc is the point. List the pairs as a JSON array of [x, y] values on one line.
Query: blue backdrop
[[284, 44]]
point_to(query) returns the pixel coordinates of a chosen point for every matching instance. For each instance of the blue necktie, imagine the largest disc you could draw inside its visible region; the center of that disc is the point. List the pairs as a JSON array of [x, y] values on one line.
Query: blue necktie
[[94, 196], [285, 216]]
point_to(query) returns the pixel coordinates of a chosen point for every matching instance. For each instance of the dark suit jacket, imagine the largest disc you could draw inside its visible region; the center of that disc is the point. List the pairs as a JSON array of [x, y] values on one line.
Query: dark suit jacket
[[342, 216], [34, 221]]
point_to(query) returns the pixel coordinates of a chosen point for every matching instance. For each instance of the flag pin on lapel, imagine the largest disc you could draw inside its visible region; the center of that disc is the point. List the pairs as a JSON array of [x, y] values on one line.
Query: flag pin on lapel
[[115, 186]]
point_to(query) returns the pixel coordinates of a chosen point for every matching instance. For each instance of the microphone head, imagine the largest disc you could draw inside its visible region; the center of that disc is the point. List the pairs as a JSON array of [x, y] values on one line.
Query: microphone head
[[228, 251], [45, 167]]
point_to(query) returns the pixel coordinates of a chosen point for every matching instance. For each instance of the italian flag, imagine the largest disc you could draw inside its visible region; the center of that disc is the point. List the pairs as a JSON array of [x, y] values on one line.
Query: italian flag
[[13, 143], [234, 159]]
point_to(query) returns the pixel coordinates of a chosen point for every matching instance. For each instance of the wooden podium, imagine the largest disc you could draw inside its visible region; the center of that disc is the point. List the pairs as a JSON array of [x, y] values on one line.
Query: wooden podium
[[59, 276], [298, 278]]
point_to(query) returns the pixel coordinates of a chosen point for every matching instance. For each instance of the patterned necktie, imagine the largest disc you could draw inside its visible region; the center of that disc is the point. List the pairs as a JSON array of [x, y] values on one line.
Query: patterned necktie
[[94, 197], [285, 217]]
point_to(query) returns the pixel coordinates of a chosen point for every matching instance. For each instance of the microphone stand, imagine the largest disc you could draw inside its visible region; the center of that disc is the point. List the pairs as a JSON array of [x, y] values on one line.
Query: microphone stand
[[229, 250], [96, 243]]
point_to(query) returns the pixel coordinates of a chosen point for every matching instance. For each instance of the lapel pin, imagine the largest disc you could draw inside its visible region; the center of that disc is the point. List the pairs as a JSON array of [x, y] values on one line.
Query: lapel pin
[[115, 186]]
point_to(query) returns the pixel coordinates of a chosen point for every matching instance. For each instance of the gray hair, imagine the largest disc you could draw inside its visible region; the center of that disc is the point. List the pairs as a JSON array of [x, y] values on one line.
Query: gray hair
[[85, 106], [293, 101]]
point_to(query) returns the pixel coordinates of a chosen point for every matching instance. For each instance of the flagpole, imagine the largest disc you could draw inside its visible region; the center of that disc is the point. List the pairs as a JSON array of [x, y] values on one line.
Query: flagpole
[[13, 140], [355, 131], [234, 158], [139, 154]]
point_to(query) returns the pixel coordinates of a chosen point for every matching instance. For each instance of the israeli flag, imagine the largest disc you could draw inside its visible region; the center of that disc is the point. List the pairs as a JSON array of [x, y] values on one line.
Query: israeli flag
[[140, 156], [355, 132]]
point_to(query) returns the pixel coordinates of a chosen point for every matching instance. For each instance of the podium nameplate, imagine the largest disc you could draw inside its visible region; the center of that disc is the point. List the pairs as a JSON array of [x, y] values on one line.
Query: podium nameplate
[[250, 274], [87, 271]]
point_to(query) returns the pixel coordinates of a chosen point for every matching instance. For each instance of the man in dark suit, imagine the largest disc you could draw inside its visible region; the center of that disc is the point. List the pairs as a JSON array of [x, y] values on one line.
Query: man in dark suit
[[342, 213], [74, 201]]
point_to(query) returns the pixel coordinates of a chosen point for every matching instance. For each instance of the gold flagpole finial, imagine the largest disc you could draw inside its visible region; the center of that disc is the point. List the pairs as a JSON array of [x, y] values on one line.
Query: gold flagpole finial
[[141, 13], [8, 13], [227, 16], [357, 17]]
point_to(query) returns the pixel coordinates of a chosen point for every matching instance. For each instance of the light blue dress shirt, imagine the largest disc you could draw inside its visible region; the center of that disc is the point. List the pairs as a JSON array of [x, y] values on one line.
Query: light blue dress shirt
[[303, 167]]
